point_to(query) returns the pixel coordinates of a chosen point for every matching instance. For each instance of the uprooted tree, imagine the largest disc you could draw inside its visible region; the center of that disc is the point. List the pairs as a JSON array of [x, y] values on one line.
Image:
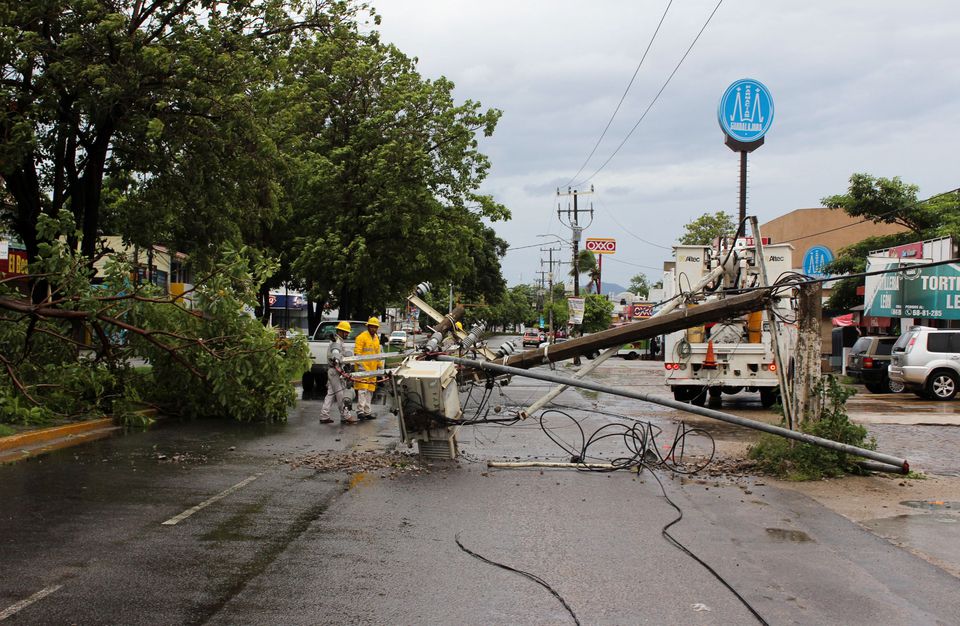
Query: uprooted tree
[[71, 351]]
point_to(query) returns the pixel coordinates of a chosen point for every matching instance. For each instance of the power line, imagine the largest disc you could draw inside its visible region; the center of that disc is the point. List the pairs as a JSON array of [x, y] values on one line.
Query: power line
[[655, 98], [625, 92], [617, 222]]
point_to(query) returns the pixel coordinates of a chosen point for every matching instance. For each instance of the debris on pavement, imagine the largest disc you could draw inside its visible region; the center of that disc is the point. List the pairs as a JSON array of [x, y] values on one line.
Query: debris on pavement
[[360, 461]]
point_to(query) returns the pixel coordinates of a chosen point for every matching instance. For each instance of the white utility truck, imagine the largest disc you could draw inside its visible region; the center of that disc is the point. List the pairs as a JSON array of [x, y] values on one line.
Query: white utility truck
[[736, 354]]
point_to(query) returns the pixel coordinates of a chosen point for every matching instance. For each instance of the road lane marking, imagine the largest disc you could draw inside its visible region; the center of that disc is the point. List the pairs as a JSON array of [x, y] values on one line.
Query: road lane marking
[[19, 606], [226, 492]]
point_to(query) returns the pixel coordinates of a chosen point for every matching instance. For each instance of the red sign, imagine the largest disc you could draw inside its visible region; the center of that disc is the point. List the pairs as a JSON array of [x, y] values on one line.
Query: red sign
[[604, 245], [15, 263], [641, 310]]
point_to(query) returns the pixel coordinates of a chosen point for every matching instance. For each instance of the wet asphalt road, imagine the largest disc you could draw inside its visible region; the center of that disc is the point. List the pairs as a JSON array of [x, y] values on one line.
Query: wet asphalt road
[[296, 546]]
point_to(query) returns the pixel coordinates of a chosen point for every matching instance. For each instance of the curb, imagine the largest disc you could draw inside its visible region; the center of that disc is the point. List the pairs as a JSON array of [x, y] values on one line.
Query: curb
[[36, 442]]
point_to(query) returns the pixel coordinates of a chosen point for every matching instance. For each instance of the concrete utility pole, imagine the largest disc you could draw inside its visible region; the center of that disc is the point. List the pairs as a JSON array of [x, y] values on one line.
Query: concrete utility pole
[[550, 251], [576, 229], [807, 374]]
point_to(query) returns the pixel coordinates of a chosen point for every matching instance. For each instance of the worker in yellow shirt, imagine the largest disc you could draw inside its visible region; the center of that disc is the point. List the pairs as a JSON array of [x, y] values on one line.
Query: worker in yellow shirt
[[367, 343]]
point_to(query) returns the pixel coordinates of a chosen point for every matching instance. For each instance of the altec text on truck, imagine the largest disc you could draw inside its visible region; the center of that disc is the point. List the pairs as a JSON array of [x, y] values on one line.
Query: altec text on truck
[[736, 354]]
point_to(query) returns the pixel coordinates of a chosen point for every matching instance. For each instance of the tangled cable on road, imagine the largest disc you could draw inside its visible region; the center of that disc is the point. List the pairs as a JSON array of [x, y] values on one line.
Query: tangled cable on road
[[640, 439]]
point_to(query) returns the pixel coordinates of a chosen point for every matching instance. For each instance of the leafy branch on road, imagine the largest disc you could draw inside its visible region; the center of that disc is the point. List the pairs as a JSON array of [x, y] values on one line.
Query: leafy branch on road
[[66, 347]]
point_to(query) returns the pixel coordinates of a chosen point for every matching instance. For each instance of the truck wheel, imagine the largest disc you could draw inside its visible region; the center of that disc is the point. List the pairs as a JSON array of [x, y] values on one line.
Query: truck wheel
[[698, 396], [680, 394], [631, 356], [306, 382], [769, 396], [942, 385], [875, 388], [894, 386]]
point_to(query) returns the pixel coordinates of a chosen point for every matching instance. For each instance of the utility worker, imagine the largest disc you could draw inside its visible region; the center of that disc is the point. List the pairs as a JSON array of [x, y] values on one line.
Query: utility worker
[[335, 387], [367, 343]]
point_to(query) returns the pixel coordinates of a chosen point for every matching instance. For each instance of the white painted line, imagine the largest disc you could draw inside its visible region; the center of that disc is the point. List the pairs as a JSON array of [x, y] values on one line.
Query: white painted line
[[226, 492], [19, 606]]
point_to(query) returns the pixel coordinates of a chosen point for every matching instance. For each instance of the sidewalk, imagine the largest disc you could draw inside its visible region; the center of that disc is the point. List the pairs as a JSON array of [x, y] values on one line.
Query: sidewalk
[[32, 443]]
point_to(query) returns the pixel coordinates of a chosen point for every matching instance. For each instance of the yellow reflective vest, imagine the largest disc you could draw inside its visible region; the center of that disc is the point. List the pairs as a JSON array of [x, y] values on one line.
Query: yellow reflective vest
[[367, 344]]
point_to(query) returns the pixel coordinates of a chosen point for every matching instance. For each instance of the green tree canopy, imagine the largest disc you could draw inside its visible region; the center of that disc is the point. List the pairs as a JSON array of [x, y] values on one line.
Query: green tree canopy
[[890, 201], [639, 285], [154, 97], [703, 230], [386, 167]]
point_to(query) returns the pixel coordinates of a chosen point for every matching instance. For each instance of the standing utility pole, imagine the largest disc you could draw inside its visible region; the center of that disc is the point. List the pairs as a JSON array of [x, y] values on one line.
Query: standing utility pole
[[550, 286], [574, 224], [576, 229]]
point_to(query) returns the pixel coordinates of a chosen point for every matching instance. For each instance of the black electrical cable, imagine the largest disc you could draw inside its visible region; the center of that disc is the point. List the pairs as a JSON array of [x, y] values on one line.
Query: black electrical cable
[[665, 531], [532, 577]]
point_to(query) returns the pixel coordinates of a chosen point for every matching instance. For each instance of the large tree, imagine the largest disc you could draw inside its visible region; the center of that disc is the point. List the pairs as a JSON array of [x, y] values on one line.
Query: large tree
[[706, 228], [639, 285], [155, 97], [386, 168]]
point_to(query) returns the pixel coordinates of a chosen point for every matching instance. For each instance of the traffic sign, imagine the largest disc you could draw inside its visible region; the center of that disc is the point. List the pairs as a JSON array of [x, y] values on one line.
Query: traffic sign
[[601, 245], [746, 110]]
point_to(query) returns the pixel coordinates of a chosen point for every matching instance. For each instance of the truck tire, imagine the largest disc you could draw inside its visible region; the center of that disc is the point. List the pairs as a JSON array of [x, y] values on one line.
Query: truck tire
[[942, 385], [681, 394], [769, 396], [894, 386], [698, 396], [307, 382]]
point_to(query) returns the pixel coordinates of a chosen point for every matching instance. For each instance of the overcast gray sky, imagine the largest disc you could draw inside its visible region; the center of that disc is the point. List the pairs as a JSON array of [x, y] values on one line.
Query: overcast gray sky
[[870, 86]]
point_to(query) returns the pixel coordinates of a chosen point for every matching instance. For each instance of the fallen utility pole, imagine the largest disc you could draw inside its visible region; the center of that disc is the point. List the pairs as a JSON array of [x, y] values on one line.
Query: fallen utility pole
[[667, 308], [897, 464], [709, 312]]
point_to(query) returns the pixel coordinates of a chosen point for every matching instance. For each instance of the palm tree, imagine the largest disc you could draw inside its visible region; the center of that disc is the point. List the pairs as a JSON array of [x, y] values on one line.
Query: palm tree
[[586, 264]]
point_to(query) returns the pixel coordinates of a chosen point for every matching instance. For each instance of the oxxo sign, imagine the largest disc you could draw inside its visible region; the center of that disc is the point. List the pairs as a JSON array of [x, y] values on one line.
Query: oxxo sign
[[601, 245]]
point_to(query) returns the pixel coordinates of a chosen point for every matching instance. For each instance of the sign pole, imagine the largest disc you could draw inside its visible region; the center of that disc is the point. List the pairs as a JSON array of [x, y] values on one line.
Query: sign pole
[[599, 272]]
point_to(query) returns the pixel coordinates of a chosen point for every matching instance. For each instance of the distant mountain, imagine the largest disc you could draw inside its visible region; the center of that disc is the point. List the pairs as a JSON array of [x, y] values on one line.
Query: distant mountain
[[607, 288]]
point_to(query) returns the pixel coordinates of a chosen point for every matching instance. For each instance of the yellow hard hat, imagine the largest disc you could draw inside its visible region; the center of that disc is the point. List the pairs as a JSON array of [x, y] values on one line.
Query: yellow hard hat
[[344, 326], [459, 326], [373, 322]]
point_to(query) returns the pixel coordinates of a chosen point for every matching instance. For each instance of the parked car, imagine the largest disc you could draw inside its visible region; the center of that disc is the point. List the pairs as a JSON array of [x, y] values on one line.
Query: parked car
[[398, 338], [927, 361], [533, 337], [869, 360]]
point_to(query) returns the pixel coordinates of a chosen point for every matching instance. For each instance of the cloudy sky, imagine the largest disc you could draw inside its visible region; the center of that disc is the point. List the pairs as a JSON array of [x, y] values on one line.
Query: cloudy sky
[[869, 86]]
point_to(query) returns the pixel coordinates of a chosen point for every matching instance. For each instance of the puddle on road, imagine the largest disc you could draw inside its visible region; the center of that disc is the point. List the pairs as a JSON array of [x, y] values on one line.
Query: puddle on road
[[932, 505], [783, 535]]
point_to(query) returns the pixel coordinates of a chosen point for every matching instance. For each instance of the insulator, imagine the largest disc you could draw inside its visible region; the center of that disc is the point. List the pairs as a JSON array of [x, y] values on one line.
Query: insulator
[[422, 289], [434, 342], [506, 349], [473, 336]]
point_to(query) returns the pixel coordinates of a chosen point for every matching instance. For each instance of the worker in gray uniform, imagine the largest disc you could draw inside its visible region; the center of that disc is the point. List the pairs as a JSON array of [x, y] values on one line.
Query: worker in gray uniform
[[336, 391]]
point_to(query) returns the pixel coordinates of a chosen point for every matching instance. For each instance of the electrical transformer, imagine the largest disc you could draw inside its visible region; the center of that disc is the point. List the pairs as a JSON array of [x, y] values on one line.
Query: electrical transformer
[[427, 402]]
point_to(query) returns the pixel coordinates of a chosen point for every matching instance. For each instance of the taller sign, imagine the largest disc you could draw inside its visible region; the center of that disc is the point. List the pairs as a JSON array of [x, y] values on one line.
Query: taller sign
[[746, 110], [601, 245]]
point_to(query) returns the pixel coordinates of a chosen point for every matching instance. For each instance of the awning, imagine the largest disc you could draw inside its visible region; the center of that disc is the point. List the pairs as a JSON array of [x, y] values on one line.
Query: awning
[[844, 320]]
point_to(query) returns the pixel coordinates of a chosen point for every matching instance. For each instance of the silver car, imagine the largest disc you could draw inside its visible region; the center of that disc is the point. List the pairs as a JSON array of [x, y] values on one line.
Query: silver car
[[927, 361]]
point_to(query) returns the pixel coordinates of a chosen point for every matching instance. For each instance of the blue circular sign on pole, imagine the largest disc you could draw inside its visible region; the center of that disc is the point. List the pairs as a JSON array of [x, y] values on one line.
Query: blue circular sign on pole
[[746, 110], [814, 259]]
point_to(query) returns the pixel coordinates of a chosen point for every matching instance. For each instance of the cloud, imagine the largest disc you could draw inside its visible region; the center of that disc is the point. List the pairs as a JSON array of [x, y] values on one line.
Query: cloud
[[857, 89]]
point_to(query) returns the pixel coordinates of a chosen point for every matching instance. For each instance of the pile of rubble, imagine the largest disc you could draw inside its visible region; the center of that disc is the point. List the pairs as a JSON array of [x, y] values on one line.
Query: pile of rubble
[[354, 462]]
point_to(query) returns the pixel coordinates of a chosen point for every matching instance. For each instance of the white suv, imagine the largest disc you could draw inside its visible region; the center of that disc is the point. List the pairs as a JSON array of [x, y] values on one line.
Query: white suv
[[927, 361]]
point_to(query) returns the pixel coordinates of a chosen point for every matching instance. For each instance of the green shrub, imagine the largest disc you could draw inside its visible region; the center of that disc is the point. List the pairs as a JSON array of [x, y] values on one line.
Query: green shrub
[[795, 460]]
